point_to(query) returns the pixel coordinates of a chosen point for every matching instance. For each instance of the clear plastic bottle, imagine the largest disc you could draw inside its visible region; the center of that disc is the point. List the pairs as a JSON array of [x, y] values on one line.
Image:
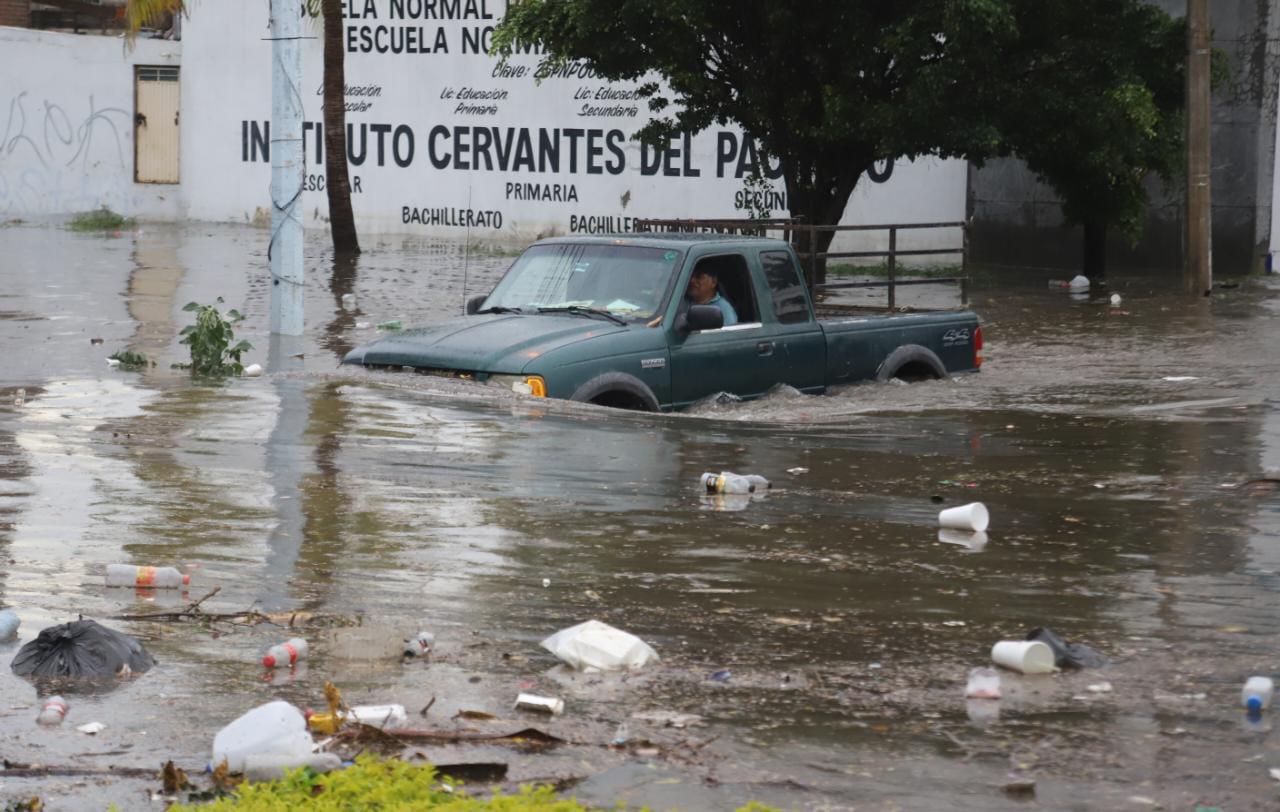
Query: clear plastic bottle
[[53, 711], [146, 577], [9, 623], [1256, 694], [287, 654], [758, 483], [420, 645], [726, 482]]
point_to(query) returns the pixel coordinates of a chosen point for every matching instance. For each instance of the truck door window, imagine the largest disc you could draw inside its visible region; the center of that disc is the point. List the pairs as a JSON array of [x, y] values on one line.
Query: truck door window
[[789, 302], [733, 283]]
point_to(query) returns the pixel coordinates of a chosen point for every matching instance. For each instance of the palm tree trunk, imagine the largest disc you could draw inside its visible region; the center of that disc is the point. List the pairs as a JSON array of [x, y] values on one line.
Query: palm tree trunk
[[342, 221]]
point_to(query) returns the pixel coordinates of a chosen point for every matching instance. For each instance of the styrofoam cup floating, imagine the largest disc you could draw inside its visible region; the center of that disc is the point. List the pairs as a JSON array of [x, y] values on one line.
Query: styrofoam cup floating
[[972, 516], [975, 542], [1025, 656]]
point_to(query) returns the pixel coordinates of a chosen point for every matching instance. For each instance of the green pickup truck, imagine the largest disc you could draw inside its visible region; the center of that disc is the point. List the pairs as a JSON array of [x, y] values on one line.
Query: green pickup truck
[[605, 320]]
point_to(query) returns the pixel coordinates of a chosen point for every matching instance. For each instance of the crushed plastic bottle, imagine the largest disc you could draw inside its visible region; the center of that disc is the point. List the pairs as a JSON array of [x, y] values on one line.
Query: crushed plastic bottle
[[420, 645], [1255, 696], [726, 482], [287, 654], [984, 683], [273, 766], [146, 577], [53, 711], [9, 623]]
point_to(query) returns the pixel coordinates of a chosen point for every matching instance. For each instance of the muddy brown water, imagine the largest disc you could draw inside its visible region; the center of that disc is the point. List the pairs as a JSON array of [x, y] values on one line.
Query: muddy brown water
[[1107, 443]]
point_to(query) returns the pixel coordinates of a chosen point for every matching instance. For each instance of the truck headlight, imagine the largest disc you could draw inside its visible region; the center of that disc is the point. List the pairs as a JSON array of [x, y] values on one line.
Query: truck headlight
[[522, 384]]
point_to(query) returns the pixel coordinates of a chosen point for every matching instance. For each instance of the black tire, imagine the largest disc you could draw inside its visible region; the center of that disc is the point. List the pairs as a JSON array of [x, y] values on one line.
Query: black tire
[[617, 390], [911, 363]]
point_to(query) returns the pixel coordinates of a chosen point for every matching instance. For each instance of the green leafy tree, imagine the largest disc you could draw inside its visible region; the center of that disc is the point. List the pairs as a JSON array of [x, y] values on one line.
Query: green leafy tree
[[833, 86], [828, 88], [1093, 103], [141, 14]]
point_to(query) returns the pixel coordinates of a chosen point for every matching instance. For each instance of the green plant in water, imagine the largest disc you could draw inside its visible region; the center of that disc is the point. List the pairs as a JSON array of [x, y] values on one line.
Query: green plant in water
[[131, 360], [376, 784], [103, 219], [212, 352]]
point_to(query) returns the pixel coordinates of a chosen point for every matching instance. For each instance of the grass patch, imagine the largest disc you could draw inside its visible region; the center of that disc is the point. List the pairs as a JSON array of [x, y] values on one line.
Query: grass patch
[[103, 219], [386, 785], [131, 360], [881, 270], [476, 249], [377, 784]]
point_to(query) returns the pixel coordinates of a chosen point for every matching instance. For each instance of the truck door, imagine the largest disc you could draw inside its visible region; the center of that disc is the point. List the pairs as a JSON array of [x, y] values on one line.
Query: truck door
[[735, 359], [800, 352]]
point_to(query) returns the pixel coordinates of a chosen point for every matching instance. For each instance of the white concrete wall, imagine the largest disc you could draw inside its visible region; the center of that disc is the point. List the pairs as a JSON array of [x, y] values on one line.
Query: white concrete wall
[[226, 99], [66, 125]]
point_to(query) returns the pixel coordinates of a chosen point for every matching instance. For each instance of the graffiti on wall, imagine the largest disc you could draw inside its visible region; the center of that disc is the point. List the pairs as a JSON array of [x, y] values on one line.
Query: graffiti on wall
[[57, 158]]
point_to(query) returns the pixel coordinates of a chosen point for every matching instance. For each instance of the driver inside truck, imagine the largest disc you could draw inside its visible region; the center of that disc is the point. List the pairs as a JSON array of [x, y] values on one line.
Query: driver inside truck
[[704, 290]]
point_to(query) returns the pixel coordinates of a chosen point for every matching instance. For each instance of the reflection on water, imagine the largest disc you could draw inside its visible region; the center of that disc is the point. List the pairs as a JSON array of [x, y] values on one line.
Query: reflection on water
[[845, 619]]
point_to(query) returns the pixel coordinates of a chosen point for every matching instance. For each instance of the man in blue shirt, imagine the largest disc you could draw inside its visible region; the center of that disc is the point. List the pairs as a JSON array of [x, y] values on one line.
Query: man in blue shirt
[[703, 291]]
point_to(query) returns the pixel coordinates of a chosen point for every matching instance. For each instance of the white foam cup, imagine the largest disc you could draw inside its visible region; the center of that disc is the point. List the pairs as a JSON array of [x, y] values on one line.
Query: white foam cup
[[974, 541], [972, 516], [1024, 656]]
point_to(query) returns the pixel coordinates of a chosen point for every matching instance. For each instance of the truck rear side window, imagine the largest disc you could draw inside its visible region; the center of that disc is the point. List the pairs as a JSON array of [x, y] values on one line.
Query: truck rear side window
[[789, 303]]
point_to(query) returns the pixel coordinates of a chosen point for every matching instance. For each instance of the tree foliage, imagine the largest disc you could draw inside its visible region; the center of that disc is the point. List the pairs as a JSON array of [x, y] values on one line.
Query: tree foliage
[[832, 86], [1094, 104]]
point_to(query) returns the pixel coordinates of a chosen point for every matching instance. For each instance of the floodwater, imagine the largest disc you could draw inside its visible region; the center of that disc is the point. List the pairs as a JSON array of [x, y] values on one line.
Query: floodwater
[[1109, 443]]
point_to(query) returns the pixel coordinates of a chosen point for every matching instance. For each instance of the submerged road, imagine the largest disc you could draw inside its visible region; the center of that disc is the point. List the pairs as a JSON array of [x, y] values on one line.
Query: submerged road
[[1111, 444]]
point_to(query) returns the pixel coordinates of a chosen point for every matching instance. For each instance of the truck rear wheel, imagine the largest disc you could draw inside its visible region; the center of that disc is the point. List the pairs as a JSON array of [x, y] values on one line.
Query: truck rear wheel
[[617, 390], [911, 363]]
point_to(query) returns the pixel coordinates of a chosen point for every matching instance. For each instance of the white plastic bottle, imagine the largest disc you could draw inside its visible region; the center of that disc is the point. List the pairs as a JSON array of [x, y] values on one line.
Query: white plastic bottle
[[383, 716], [417, 647], [726, 482], [1256, 694], [146, 577], [9, 623], [276, 729], [273, 766], [287, 654], [53, 711]]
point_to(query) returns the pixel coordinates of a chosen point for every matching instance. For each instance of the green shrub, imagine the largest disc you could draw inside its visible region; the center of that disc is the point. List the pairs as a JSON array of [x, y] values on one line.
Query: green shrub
[[212, 352], [131, 360], [378, 786], [103, 219]]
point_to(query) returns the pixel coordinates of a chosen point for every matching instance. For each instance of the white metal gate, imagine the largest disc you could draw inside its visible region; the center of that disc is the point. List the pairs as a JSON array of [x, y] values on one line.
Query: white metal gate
[[155, 124]]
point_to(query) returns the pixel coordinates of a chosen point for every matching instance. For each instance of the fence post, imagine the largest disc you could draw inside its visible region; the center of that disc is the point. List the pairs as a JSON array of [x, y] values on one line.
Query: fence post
[[893, 262]]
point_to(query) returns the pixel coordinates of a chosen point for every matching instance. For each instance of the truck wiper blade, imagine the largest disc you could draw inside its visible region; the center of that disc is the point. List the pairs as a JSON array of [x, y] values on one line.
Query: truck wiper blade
[[499, 309], [584, 311]]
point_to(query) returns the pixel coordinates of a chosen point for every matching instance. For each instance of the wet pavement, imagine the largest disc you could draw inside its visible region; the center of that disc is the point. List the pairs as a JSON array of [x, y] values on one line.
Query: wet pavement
[[1109, 444]]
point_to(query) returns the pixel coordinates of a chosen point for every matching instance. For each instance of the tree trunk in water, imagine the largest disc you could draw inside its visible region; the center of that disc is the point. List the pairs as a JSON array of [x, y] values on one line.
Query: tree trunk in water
[[816, 197], [342, 221], [1095, 249]]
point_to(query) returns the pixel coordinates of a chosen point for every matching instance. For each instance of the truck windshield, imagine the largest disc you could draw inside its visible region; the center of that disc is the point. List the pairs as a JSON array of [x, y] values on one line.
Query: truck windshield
[[628, 281]]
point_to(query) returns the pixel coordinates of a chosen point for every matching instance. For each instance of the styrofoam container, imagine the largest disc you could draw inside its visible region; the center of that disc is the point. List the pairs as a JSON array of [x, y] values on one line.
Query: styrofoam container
[[972, 516], [1025, 656], [600, 646]]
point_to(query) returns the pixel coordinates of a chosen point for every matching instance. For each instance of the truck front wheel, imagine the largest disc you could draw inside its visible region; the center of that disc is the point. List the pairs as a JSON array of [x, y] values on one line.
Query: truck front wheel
[[911, 363], [619, 391]]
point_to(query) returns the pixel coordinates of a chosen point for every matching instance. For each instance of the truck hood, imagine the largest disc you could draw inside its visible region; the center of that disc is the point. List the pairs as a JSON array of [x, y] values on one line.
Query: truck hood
[[491, 343]]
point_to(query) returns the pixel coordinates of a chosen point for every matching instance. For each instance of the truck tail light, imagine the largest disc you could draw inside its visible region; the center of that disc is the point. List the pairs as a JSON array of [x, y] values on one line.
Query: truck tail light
[[977, 348]]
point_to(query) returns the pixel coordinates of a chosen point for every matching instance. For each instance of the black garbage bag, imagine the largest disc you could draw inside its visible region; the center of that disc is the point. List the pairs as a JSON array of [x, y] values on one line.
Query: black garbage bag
[[1068, 655], [81, 649]]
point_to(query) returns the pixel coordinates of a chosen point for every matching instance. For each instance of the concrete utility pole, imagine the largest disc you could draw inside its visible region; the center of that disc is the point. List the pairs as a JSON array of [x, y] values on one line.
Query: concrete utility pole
[[286, 168], [1198, 271]]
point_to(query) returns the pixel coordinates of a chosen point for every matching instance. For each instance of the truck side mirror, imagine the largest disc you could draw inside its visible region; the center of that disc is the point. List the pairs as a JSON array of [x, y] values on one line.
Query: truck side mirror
[[700, 317], [473, 304]]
